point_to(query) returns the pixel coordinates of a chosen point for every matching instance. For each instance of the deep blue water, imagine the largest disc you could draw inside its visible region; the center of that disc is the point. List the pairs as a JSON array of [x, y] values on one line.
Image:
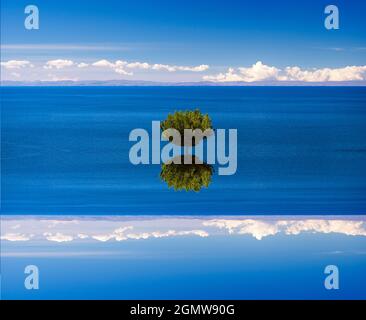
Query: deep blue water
[[300, 150]]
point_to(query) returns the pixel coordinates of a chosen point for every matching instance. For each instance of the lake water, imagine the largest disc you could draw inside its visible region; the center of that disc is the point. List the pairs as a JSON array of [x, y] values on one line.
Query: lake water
[[301, 150], [72, 201]]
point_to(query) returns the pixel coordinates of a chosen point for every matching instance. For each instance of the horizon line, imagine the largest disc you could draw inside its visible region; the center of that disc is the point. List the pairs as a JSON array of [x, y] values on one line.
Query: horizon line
[[142, 83]]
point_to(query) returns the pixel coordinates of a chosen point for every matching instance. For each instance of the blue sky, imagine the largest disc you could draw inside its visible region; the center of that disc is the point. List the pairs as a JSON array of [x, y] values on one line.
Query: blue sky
[[138, 258], [219, 34], [238, 258]]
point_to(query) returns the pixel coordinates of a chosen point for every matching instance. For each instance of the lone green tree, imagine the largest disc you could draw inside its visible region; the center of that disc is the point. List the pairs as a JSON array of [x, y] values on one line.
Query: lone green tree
[[188, 177], [187, 119]]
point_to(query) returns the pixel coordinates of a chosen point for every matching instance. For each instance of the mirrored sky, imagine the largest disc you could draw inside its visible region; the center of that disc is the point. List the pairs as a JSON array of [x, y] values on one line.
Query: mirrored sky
[[215, 257]]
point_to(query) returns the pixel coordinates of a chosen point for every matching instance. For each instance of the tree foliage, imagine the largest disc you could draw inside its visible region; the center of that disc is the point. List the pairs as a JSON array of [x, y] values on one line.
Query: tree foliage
[[188, 119], [189, 177]]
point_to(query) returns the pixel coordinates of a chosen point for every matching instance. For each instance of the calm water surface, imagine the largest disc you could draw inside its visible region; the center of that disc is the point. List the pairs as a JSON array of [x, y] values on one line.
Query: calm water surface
[[300, 150]]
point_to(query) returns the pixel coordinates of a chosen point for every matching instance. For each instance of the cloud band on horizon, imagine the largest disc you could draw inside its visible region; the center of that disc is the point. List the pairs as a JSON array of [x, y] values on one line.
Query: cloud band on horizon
[[261, 72], [255, 73], [121, 229]]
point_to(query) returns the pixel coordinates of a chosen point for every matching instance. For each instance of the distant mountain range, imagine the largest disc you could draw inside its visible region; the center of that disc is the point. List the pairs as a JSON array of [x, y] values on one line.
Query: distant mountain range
[[178, 84]]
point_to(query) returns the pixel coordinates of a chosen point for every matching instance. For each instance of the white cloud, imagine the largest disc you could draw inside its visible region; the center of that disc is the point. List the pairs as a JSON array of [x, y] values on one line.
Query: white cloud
[[82, 65], [351, 228], [260, 72], [257, 72], [229, 76], [349, 73], [102, 238], [163, 67], [121, 229], [260, 229], [58, 64], [58, 237], [200, 233], [16, 237], [137, 236], [16, 64], [200, 68], [103, 63], [120, 66], [230, 225], [117, 234], [82, 236], [123, 71], [171, 68], [120, 235], [169, 233], [138, 65]]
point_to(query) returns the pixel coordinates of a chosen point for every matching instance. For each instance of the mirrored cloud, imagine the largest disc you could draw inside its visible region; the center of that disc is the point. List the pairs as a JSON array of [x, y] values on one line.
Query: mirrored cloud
[[16, 237], [65, 229], [261, 228], [58, 237]]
